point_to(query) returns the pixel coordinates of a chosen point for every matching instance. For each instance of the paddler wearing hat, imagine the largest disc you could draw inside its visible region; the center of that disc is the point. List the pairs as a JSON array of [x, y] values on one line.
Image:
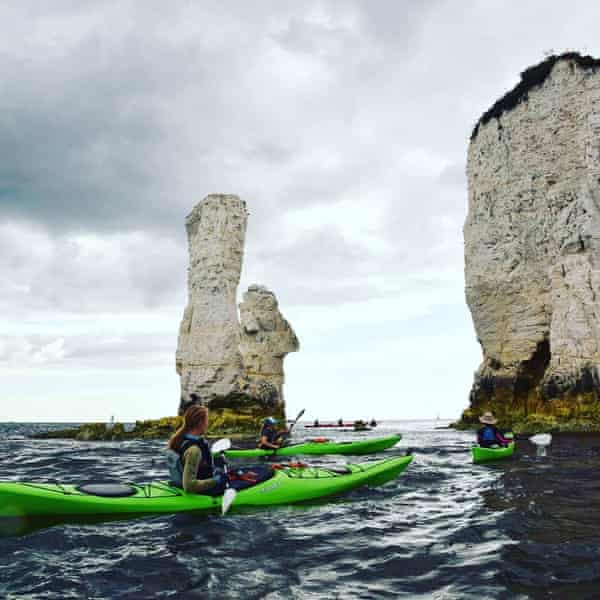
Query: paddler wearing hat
[[489, 435]]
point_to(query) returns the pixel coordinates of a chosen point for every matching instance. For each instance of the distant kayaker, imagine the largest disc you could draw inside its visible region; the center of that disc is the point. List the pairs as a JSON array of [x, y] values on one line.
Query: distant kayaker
[[489, 435], [198, 473], [270, 438]]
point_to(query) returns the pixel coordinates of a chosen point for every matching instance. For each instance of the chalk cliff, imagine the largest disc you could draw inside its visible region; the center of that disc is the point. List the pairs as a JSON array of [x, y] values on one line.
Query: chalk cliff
[[532, 245], [221, 363]]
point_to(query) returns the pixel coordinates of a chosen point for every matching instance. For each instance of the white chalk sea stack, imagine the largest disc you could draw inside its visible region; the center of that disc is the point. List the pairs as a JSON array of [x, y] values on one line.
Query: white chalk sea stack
[[219, 362]]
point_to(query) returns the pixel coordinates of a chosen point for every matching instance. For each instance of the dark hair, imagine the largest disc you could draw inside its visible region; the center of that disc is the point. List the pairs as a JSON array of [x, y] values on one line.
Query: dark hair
[[193, 416]]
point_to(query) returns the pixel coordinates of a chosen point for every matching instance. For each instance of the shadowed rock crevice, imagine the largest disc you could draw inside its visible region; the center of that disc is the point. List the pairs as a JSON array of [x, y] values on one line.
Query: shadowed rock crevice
[[506, 391], [531, 372]]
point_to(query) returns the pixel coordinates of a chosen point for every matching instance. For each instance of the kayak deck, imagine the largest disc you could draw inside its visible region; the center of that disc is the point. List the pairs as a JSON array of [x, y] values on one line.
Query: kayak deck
[[316, 448], [288, 485], [481, 455]]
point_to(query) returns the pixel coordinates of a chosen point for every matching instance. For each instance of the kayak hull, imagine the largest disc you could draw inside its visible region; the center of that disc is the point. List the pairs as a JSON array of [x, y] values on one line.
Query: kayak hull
[[481, 455], [287, 486], [367, 446]]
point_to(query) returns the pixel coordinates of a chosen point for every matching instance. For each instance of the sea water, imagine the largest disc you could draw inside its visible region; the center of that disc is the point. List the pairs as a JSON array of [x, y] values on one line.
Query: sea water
[[523, 528]]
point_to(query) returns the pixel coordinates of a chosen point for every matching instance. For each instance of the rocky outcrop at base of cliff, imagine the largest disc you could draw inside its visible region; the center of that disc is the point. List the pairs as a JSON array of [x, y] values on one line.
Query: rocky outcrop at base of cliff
[[532, 246], [241, 422]]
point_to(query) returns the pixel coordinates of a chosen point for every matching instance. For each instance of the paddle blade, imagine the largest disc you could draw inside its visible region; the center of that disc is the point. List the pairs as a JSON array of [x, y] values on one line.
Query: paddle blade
[[541, 439], [220, 446], [228, 498], [299, 415], [296, 419]]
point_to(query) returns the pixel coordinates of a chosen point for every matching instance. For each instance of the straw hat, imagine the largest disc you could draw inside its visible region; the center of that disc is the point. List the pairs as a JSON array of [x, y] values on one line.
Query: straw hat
[[488, 418]]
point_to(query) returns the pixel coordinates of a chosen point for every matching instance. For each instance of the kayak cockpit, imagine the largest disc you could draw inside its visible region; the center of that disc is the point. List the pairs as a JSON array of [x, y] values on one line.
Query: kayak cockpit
[[108, 490]]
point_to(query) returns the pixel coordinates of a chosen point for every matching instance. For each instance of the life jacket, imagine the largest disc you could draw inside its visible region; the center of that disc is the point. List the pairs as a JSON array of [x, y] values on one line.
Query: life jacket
[[175, 460], [270, 433], [487, 434]]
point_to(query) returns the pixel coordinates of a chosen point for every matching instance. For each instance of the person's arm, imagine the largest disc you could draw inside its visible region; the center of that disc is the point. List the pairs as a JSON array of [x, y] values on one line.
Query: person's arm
[[282, 433], [501, 438], [266, 444], [191, 484]]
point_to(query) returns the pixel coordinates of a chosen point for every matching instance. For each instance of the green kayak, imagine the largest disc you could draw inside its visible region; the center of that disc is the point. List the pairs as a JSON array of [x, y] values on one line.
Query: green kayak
[[481, 455], [284, 485], [322, 446]]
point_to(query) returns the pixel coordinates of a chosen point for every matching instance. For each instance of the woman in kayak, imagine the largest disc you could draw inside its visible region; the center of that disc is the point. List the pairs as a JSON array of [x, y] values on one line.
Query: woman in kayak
[[270, 438], [198, 471], [489, 435]]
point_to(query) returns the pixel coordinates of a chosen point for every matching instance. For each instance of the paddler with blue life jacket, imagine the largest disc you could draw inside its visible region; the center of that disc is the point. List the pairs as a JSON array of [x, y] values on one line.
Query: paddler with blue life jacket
[[190, 460], [489, 435], [270, 437]]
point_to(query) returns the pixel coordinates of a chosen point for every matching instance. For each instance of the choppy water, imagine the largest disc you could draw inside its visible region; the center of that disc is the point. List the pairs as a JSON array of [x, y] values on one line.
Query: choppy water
[[527, 528]]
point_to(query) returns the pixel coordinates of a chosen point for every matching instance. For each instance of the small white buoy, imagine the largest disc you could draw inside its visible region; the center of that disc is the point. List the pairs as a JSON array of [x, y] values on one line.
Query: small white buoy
[[541, 441]]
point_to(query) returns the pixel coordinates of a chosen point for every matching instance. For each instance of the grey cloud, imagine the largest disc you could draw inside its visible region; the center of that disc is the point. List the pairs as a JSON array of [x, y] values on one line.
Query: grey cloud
[[455, 175], [324, 268], [66, 273], [94, 351], [117, 117], [322, 253], [81, 142], [272, 153], [122, 128], [319, 268]]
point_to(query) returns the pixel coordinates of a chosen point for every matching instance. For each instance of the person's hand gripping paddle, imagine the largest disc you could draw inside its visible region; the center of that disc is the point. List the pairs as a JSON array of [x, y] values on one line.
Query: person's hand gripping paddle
[[229, 494]]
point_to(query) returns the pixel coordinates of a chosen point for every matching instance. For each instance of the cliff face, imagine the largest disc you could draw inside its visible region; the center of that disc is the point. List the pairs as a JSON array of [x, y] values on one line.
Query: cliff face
[[532, 241], [220, 363]]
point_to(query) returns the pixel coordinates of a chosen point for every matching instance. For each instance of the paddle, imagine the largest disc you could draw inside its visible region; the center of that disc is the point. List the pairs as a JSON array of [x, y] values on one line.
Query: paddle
[[292, 424], [541, 442], [296, 420], [229, 494]]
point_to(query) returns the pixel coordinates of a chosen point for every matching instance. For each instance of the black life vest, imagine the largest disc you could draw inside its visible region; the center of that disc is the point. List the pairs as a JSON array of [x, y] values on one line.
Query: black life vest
[[270, 433], [206, 466]]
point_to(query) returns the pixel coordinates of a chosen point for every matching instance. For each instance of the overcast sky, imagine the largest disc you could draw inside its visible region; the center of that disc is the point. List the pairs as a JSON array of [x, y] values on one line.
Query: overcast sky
[[344, 126]]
